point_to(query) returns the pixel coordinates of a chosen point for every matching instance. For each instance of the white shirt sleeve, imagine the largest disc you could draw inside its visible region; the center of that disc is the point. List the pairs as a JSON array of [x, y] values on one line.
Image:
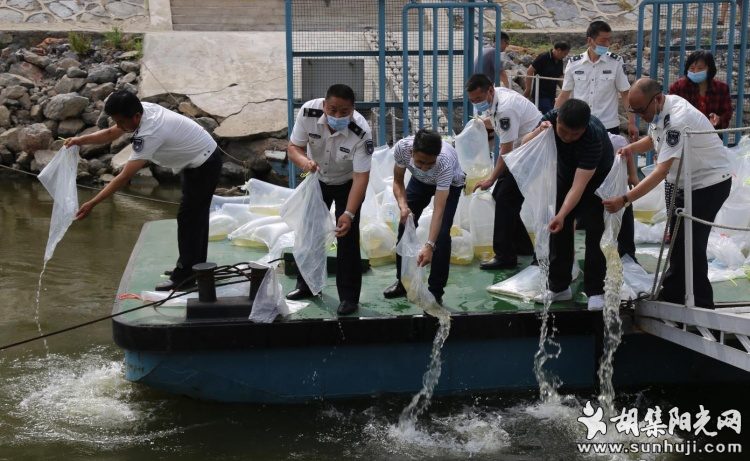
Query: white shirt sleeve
[[363, 154], [145, 146], [399, 155], [621, 82], [671, 146], [568, 82], [299, 135], [507, 126]]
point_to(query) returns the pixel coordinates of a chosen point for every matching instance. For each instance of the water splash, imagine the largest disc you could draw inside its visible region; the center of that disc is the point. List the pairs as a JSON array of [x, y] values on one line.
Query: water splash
[[549, 348], [612, 325], [421, 400], [36, 309]]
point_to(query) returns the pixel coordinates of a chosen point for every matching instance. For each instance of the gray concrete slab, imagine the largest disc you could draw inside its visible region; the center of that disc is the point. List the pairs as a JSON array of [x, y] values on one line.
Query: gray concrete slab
[[238, 76]]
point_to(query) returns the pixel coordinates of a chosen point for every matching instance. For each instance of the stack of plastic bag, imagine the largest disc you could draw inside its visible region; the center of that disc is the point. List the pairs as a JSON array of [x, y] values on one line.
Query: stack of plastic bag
[[265, 198], [218, 201], [59, 178], [413, 277], [245, 235], [534, 167], [462, 246], [474, 153], [220, 225], [644, 233], [526, 284], [377, 240], [307, 215]]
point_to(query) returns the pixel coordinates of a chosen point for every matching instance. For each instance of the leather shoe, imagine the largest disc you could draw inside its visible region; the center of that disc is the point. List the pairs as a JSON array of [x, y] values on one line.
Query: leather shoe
[[170, 285], [396, 290], [347, 307], [299, 293], [495, 264]]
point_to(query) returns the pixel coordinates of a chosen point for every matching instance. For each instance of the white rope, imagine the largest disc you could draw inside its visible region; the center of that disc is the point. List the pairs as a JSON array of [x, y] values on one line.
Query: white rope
[[681, 212], [724, 130]]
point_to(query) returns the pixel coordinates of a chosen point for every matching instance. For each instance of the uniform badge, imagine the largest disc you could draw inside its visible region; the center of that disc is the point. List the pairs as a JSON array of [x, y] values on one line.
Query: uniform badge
[[666, 121], [505, 123], [673, 137], [137, 144], [369, 147]]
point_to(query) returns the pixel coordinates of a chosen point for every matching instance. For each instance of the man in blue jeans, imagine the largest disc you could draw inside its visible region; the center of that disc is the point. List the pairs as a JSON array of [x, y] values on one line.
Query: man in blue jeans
[[435, 172]]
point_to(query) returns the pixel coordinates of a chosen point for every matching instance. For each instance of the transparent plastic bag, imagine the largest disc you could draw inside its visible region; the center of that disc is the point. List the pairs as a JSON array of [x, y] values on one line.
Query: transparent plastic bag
[[423, 225], [266, 198], [220, 225], [724, 252], [378, 242], [240, 212], [217, 201], [284, 242], [462, 247], [269, 301], [614, 185], [244, 235], [526, 284], [381, 169], [59, 178], [413, 277], [474, 153], [534, 167], [647, 208], [482, 223], [307, 214], [390, 213], [270, 233], [635, 279], [462, 218]]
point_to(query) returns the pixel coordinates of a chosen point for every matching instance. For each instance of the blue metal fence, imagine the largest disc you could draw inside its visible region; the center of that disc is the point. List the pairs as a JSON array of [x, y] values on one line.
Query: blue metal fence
[[678, 27]]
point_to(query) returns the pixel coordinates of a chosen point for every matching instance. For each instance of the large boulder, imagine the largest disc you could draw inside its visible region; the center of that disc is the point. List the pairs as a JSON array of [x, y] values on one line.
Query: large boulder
[[76, 72], [35, 59], [100, 92], [103, 73], [41, 159], [4, 117], [8, 79], [29, 71], [70, 127], [34, 137], [69, 84], [14, 92], [67, 63], [65, 106], [92, 150], [130, 66], [9, 139]]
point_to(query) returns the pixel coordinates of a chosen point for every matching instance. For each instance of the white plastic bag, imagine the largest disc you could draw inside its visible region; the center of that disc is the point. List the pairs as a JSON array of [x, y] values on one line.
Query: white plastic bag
[[526, 284], [240, 212], [724, 251], [269, 234], [381, 169], [635, 279], [462, 246], [534, 167], [647, 208], [275, 251], [482, 223], [423, 225], [269, 301], [59, 178], [307, 215], [220, 225], [614, 185], [218, 201], [244, 235], [413, 277], [266, 198], [390, 213], [462, 218], [474, 153]]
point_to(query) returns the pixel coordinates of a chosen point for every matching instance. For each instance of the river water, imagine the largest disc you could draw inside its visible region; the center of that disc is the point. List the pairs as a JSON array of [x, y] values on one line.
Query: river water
[[74, 402]]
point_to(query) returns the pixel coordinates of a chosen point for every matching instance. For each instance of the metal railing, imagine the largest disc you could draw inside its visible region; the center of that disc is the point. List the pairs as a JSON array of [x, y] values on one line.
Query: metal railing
[[537, 79]]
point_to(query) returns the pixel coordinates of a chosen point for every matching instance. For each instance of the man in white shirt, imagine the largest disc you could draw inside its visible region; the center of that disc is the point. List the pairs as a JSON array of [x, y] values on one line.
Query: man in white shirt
[[668, 117], [597, 76], [173, 141], [331, 137], [510, 116]]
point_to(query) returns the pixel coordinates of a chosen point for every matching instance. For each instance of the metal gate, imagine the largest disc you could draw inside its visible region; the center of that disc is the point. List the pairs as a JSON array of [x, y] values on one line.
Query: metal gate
[[678, 27]]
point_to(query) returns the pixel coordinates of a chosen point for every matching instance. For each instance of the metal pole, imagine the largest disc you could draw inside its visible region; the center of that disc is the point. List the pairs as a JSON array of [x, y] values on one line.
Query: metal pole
[[687, 223], [435, 64], [381, 72], [743, 59], [292, 170], [405, 65], [420, 81], [450, 71], [536, 91]]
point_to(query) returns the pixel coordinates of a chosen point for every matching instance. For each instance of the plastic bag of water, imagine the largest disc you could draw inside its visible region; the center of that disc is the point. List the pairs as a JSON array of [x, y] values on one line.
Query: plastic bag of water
[[59, 178]]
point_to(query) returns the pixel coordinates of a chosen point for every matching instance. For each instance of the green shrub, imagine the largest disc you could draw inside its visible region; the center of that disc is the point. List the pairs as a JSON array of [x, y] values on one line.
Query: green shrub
[[79, 43]]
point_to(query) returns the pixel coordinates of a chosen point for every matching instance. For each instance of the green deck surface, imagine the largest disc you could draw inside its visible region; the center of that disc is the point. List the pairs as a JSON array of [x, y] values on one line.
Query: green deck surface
[[156, 251]]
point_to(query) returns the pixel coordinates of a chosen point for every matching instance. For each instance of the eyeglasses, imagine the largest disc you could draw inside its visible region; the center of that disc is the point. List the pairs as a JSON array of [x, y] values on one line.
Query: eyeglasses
[[643, 111]]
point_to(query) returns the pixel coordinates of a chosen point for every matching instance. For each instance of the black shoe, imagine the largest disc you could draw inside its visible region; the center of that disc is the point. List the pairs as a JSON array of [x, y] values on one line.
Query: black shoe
[[496, 264], [439, 300], [168, 273], [170, 285], [396, 290], [347, 307], [299, 293]]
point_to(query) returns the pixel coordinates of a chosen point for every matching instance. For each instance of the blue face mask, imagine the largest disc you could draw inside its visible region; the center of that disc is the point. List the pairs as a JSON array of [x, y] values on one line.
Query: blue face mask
[[698, 77], [482, 106], [337, 123], [601, 50]]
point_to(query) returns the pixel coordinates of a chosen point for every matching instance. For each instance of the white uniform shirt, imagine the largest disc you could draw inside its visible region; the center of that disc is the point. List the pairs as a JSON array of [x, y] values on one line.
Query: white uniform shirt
[[512, 115], [170, 140], [709, 161], [338, 154], [597, 83], [445, 174]]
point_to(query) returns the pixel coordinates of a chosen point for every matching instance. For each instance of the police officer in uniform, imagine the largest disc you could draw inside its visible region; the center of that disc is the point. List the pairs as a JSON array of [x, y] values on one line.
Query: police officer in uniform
[[173, 141], [668, 116], [510, 116], [331, 137], [597, 76]]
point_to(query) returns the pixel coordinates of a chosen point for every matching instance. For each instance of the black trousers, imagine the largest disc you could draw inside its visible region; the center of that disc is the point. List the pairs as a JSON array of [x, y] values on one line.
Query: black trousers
[[562, 246], [706, 204], [418, 195], [348, 266], [509, 237], [198, 186]]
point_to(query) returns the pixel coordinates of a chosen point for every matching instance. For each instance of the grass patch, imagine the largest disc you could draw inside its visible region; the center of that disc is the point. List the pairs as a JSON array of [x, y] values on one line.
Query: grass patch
[[79, 43], [114, 38], [135, 44], [624, 5], [506, 25]]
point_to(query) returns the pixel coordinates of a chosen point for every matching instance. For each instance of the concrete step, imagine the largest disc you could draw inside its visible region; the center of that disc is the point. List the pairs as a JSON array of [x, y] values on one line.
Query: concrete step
[[229, 15]]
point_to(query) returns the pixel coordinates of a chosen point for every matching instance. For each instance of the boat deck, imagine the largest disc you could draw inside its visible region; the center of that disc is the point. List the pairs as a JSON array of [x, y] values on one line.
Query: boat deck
[[156, 251]]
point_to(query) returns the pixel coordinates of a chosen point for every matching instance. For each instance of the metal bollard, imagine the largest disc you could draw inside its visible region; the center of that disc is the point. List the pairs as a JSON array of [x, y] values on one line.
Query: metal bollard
[[204, 273]]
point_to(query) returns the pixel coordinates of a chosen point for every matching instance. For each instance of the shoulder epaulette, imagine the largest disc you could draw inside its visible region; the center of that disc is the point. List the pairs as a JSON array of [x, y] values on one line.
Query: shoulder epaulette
[[613, 55], [310, 112], [577, 57], [356, 129]]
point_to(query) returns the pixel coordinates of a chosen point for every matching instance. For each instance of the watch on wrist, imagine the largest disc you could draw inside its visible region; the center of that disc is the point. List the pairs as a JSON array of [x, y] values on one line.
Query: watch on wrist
[[349, 213], [625, 201], [430, 244]]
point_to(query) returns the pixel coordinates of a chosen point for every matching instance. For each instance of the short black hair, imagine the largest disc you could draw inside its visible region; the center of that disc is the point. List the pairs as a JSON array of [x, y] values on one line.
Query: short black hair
[[565, 46], [574, 114], [124, 103], [597, 27], [342, 91], [478, 81], [428, 142], [705, 56], [505, 36]]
